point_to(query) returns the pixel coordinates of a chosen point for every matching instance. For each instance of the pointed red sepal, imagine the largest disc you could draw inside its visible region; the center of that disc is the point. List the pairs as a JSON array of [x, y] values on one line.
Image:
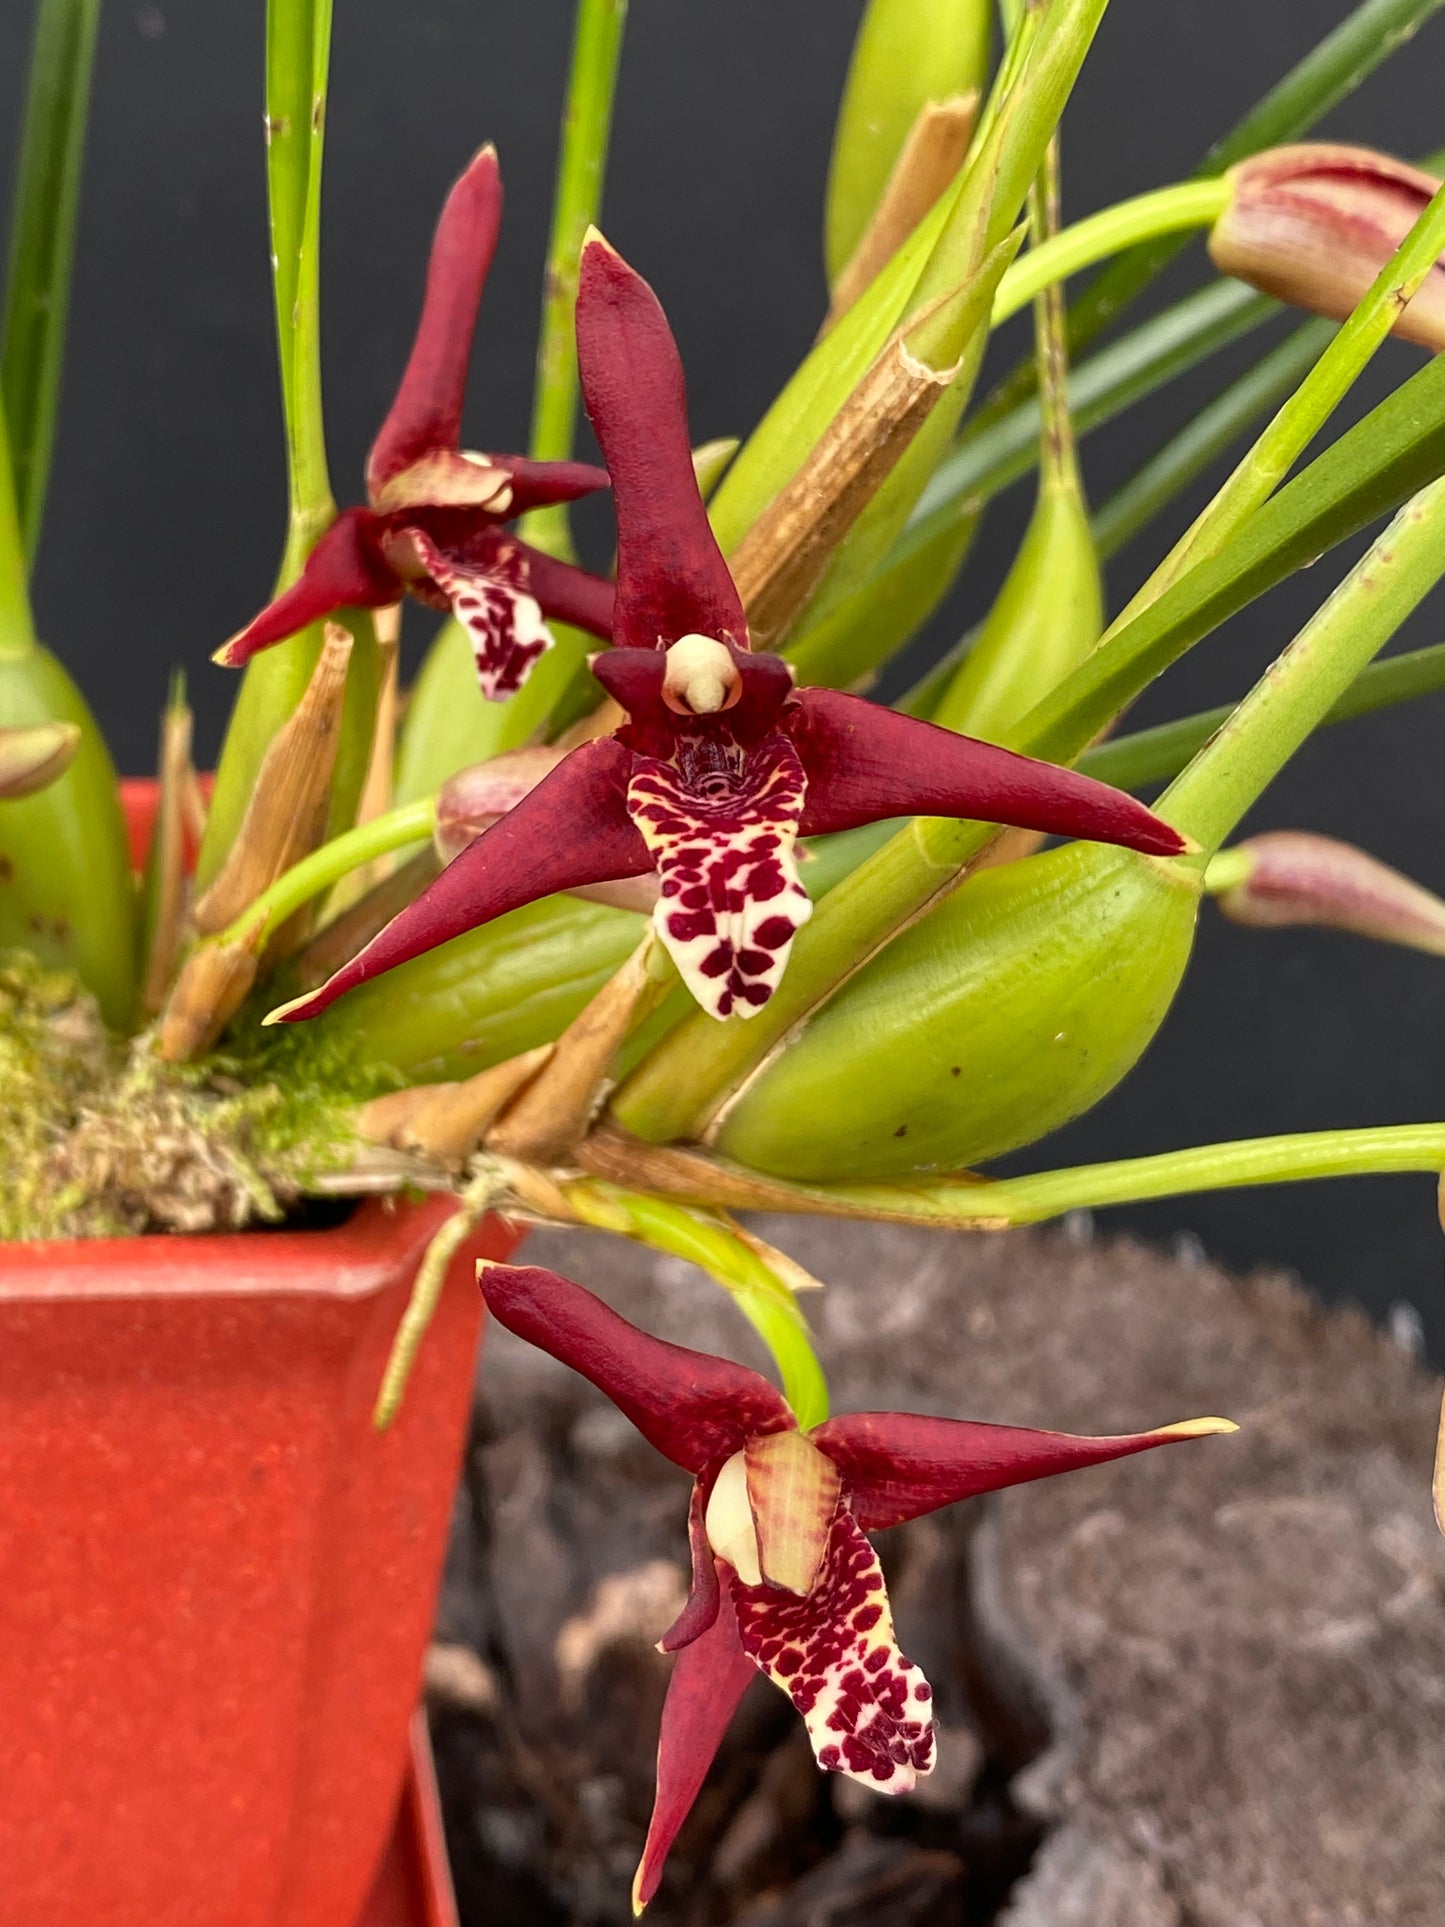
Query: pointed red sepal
[[344, 570], [705, 1592], [573, 828], [709, 1678], [897, 1465], [537, 485], [865, 763], [427, 411], [671, 577], [566, 593], [696, 1409]]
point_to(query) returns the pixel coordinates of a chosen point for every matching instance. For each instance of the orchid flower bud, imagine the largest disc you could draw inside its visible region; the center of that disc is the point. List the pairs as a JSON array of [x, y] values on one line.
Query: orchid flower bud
[[1315, 223], [1292, 877], [1015, 1005], [32, 757], [473, 799]]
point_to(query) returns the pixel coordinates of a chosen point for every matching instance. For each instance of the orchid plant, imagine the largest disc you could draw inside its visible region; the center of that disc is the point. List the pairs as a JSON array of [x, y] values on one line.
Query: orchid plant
[[637, 909]]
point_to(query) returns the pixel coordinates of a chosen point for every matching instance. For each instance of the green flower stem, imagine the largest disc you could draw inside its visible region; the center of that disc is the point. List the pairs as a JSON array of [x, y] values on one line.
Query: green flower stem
[[1225, 869], [1129, 370], [1333, 68], [764, 1299], [1208, 435], [1289, 1159], [17, 628], [1298, 691], [1165, 210], [1301, 418], [1152, 755], [411, 823], [1396, 450], [42, 244], [1200, 442], [586, 130], [298, 45], [298, 52]]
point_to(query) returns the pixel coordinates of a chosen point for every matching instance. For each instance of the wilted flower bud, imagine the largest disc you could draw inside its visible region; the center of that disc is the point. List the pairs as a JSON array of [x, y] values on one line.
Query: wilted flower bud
[[1293, 877], [1315, 223], [32, 756]]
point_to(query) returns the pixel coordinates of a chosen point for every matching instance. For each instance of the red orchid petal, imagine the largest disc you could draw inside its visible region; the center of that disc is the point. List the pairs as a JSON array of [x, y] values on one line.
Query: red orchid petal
[[493, 602], [723, 838], [573, 828], [868, 1710], [897, 1465], [671, 578], [865, 763], [344, 570], [709, 1677], [537, 485], [427, 411], [696, 1409], [703, 1595], [569, 594]]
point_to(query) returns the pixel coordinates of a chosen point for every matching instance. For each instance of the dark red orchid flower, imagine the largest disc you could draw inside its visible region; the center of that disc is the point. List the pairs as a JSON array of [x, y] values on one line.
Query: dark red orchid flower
[[783, 1580], [721, 764], [434, 524]]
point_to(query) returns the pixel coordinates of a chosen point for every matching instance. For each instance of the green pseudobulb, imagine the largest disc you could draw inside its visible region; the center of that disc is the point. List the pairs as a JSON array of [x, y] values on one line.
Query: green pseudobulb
[[1015, 1005], [66, 892]]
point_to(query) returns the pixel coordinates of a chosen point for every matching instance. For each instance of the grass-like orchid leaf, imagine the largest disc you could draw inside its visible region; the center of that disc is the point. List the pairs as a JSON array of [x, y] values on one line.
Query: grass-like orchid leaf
[[42, 245]]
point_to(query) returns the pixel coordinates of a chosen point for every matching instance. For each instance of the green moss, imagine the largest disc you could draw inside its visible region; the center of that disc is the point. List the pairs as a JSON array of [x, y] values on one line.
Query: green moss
[[106, 1140]]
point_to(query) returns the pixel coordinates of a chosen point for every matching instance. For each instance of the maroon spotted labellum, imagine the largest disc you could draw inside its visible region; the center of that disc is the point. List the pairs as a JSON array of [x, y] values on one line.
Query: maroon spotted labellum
[[434, 524], [784, 1581], [721, 764]]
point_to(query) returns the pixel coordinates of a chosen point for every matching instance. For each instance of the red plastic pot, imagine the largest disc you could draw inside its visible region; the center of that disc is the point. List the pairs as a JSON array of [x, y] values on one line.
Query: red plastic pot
[[217, 1578]]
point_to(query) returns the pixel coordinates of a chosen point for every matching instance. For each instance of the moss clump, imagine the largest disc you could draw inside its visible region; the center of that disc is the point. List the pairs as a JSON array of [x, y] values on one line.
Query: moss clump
[[102, 1139]]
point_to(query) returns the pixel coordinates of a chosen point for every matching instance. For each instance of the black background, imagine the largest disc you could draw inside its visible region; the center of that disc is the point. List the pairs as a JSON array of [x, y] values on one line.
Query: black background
[[167, 503]]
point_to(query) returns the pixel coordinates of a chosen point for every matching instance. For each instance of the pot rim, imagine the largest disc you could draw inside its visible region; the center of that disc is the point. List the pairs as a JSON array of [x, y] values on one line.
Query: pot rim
[[345, 1261]]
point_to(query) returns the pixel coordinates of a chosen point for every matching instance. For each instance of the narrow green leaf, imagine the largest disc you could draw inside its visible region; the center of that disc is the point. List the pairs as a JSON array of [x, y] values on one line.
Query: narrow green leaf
[[298, 47], [1109, 381], [1298, 691], [1151, 755], [1333, 68], [298, 51], [1208, 435], [42, 245], [17, 628], [1300, 418], [581, 165]]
